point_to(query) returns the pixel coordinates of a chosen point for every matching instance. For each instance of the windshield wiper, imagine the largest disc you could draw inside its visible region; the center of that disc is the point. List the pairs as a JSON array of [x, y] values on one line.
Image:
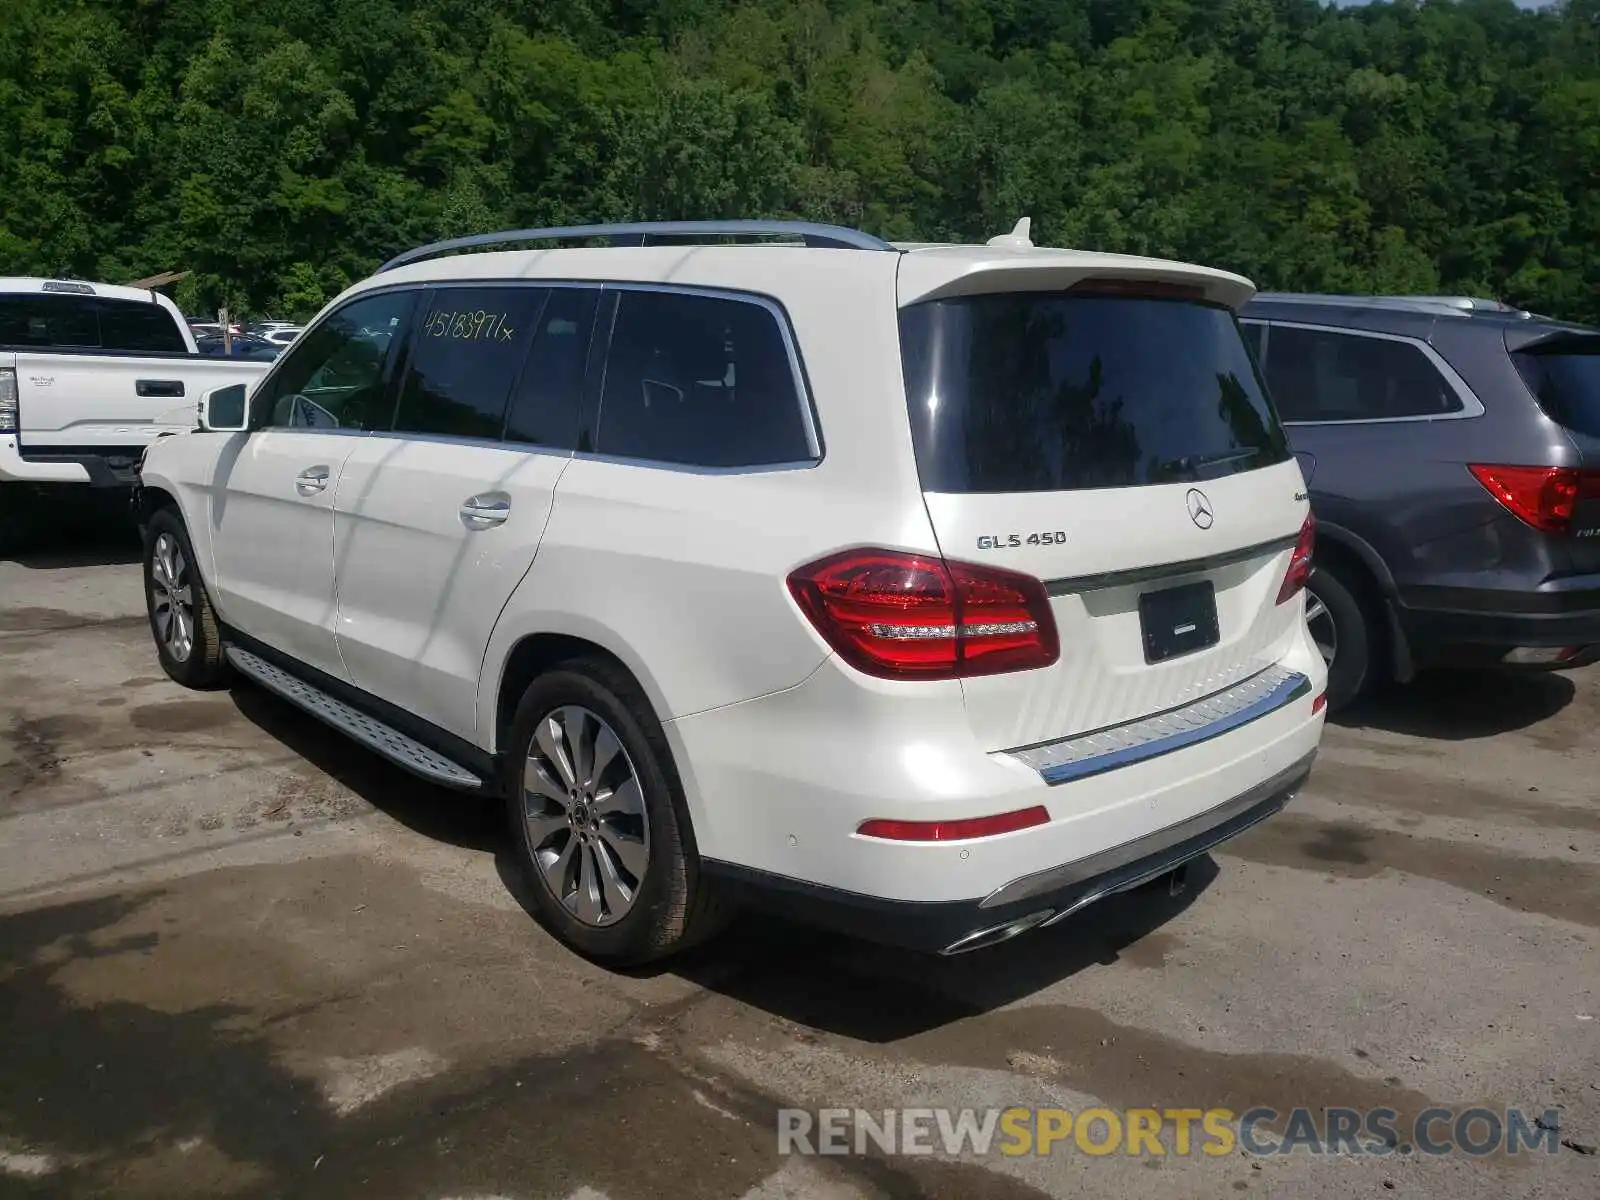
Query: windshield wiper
[[1191, 463]]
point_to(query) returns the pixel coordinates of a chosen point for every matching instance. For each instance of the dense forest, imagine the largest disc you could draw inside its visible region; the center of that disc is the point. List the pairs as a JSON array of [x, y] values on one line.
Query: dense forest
[[280, 149]]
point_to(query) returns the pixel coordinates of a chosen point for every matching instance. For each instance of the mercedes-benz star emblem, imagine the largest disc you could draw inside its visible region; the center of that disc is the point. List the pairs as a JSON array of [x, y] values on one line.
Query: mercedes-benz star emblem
[[1199, 508]]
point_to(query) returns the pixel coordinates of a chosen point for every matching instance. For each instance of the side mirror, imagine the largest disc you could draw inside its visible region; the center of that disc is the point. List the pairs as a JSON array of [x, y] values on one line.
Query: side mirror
[[223, 409]]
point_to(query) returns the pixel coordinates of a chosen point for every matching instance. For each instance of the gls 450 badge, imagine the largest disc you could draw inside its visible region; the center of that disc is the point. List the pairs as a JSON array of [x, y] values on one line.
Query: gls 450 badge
[[1007, 541]]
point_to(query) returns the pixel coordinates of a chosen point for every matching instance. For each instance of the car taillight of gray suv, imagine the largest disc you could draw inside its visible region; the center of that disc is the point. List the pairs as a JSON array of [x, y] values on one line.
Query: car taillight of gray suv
[[1451, 447]]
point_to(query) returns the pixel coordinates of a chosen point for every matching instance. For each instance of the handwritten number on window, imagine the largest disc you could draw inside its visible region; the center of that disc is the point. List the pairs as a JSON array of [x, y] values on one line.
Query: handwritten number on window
[[478, 326]]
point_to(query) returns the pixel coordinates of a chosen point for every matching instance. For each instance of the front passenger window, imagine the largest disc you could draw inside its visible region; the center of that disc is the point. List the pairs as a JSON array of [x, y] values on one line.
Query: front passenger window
[[334, 377]]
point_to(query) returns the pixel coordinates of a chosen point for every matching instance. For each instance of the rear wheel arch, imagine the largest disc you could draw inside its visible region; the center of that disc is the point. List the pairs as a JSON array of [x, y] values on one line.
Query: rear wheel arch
[[534, 654]]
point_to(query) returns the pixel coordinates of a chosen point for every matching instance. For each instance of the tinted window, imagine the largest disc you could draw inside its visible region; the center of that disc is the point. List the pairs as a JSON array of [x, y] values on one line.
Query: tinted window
[[545, 411], [138, 328], [1320, 376], [1038, 391], [87, 323], [1252, 337], [1564, 377], [465, 355], [702, 381], [333, 376]]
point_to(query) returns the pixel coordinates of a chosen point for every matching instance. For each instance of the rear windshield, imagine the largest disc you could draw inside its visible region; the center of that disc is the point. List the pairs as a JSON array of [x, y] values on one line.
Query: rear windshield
[[39, 320], [1042, 391], [1564, 377]]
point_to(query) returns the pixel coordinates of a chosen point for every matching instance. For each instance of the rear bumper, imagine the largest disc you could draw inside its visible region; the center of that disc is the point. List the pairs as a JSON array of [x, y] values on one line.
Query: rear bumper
[[777, 789], [1449, 626], [1031, 901], [16, 469], [116, 467]]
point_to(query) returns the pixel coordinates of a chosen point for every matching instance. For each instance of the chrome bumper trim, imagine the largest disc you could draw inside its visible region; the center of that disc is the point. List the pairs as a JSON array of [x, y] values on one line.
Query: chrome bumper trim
[[1132, 863], [1085, 754]]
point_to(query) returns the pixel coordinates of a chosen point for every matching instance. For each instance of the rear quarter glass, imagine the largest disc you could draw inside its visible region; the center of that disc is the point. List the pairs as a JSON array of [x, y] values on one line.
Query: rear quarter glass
[[1564, 377], [1041, 391]]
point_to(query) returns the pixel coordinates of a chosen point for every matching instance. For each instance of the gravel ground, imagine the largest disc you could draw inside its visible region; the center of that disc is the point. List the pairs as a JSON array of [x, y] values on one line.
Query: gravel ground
[[241, 957]]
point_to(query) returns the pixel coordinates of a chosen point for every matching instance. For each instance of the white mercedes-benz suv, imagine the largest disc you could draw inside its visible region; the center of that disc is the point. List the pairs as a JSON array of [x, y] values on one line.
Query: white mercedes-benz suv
[[929, 592]]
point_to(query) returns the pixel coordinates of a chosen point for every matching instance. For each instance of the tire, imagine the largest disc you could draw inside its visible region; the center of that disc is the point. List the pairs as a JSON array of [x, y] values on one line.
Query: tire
[[1334, 611], [173, 590], [612, 869]]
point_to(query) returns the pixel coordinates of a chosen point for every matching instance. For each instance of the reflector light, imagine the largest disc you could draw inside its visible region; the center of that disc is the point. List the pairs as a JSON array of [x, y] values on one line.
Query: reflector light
[[955, 831]]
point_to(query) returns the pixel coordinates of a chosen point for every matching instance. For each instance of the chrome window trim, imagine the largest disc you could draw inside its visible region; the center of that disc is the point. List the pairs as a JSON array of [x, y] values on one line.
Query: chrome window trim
[[780, 315], [1471, 406], [1249, 699]]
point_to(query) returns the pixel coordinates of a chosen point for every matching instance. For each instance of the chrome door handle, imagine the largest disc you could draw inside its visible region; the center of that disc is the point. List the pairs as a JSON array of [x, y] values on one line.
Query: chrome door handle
[[485, 510], [311, 481]]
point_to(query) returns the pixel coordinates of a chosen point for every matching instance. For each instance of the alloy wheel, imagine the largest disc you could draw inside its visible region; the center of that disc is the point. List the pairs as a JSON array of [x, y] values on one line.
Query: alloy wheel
[[172, 593], [585, 815]]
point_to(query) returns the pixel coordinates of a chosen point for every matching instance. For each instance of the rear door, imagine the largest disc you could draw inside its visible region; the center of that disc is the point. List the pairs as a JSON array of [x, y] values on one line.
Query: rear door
[[438, 519], [1119, 447]]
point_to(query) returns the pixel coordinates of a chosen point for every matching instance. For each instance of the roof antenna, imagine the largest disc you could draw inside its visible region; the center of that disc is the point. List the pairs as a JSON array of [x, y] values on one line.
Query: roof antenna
[[1017, 239]]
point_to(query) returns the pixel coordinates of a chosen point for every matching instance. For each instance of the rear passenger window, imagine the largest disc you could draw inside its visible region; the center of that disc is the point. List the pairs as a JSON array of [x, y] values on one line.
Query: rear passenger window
[[1316, 375], [465, 355], [135, 328], [45, 321], [700, 380], [545, 409]]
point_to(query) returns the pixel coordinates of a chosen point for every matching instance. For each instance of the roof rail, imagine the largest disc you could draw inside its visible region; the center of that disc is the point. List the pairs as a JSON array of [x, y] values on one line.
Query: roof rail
[[835, 237], [1435, 305]]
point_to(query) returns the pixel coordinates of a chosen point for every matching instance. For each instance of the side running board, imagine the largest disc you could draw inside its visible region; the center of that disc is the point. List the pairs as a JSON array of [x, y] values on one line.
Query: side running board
[[399, 749]]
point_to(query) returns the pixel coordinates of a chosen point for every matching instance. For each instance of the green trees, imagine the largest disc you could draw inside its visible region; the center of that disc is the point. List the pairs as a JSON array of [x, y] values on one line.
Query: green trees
[[280, 150]]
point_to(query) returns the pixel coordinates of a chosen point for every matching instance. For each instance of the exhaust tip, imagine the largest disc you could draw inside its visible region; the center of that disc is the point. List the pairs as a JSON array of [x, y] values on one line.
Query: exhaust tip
[[993, 935]]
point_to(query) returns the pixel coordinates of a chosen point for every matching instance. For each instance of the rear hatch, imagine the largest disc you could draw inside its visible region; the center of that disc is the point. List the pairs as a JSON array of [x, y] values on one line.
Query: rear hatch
[[1113, 439], [1561, 367]]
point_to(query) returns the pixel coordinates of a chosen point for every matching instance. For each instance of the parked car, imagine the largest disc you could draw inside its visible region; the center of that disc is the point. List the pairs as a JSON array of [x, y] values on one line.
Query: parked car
[[240, 345], [281, 335], [1452, 450], [928, 593], [91, 373]]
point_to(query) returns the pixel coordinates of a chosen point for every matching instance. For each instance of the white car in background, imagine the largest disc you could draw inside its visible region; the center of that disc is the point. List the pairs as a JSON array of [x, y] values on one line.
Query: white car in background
[[927, 592]]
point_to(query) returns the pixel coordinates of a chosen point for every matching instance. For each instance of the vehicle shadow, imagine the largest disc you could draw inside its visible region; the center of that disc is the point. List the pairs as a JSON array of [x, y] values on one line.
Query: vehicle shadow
[[880, 994], [456, 818], [811, 977], [1460, 705], [76, 527]]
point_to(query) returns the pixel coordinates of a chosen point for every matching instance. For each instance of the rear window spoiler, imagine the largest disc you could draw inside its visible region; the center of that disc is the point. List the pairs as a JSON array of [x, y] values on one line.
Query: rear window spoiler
[[1579, 338]]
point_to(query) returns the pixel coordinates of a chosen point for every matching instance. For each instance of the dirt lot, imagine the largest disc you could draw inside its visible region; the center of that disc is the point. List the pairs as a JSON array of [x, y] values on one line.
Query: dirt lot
[[241, 957]]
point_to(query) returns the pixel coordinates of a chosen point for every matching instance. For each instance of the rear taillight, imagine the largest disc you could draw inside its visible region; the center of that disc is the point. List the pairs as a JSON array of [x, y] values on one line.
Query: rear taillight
[[8, 401], [1299, 572], [1543, 497], [915, 616]]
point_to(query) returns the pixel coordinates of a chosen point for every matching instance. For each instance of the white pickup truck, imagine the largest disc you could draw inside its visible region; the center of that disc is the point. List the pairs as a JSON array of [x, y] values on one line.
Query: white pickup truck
[[91, 374]]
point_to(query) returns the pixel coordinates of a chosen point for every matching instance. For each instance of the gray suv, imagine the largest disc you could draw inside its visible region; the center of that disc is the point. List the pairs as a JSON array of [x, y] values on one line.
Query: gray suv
[[1452, 450]]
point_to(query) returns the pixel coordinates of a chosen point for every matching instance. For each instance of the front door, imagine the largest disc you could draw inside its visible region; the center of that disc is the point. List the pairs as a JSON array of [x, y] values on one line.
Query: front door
[[438, 520], [273, 508]]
